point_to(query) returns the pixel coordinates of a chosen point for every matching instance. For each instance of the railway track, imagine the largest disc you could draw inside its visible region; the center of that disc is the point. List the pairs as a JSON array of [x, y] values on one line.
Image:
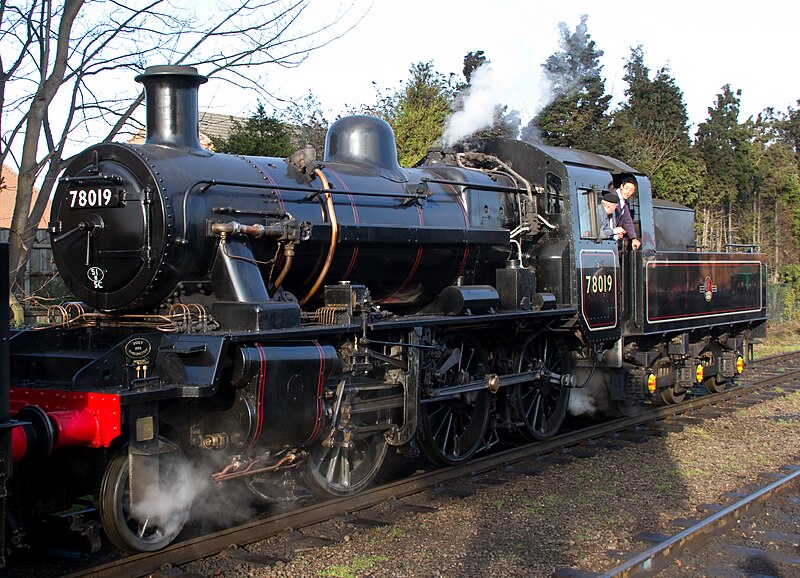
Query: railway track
[[692, 548], [764, 376], [708, 545]]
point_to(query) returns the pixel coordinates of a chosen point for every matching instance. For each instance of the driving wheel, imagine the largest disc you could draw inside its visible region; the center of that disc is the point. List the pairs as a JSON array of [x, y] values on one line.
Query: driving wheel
[[452, 426], [540, 405]]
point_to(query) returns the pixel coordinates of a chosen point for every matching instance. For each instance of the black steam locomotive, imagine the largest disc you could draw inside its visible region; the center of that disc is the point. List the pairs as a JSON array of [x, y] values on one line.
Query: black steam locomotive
[[288, 322]]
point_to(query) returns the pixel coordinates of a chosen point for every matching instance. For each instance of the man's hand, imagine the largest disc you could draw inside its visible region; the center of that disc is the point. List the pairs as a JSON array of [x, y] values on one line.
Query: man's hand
[[619, 231], [636, 243]]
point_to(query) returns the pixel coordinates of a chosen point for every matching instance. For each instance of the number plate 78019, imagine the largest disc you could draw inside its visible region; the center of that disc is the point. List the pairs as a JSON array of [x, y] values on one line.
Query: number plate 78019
[[93, 198]]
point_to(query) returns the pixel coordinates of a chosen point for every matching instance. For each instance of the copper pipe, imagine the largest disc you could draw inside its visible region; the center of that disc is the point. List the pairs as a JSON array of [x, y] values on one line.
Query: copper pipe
[[230, 472], [288, 254], [334, 236]]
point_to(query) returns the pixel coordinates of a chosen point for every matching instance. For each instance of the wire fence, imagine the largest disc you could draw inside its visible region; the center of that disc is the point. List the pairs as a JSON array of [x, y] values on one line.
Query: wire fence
[[782, 305]]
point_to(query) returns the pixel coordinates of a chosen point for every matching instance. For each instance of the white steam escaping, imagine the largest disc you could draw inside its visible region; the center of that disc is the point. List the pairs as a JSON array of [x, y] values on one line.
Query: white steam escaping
[[519, 85], [591, 397], [165, 503], [582, 402], [186, 489]]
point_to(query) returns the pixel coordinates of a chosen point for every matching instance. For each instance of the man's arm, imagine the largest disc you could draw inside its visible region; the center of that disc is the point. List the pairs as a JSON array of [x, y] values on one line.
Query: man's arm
[[604, 224], [625, 221]]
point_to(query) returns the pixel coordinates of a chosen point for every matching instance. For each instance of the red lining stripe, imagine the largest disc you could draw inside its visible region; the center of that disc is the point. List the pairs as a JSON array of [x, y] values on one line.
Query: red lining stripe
[[460, 202], [262, 379], [414, 268], [463, 262], [700, 315], [354, 207], [276, 191], [320, 383]]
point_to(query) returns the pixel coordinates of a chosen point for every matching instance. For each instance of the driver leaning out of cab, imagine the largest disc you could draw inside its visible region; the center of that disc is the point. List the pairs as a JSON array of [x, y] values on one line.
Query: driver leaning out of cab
[[605, 217]]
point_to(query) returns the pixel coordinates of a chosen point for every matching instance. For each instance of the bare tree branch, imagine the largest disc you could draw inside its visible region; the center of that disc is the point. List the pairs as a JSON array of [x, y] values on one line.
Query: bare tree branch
[[33, 126], [75, 49]]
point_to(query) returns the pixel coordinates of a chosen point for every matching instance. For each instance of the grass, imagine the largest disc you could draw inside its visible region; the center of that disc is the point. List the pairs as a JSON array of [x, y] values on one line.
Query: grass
[[781, 338], [541, 505], [359, 563]]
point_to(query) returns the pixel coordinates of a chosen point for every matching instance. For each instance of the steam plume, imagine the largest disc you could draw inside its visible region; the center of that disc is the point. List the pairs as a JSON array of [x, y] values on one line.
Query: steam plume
[[492, 85]]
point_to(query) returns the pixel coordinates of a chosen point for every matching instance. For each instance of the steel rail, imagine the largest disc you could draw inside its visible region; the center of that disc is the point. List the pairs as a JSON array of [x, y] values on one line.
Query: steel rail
[[663, 554]]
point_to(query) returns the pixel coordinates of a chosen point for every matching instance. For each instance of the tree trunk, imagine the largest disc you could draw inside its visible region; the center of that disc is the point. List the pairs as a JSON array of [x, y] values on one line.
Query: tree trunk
[[777, 244], [17, 312], [19, 235], [730, 222]]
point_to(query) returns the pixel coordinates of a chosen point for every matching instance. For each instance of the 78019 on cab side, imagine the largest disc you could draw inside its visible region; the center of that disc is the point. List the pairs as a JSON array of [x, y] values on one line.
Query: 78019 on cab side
[[285, 323]]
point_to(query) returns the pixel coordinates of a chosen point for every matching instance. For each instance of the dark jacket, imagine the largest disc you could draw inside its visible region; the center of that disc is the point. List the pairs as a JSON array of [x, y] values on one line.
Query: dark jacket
[[622, 215]]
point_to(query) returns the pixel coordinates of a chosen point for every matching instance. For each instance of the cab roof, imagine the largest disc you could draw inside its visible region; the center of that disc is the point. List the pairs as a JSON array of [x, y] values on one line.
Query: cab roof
[[570, 156]]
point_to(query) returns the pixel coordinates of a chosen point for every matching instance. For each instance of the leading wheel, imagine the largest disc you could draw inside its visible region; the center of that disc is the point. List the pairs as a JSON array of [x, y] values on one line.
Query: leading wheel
[[347, 461], [452, 428], [540, 405], [159, 515]]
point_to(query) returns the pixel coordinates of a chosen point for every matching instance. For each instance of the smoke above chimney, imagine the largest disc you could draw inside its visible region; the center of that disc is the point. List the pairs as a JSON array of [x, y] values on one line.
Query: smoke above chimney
[[492, 84]]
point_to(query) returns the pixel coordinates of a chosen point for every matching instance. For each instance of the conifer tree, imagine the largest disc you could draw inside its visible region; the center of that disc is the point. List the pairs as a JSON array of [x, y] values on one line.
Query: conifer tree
[[577, 117], [724, 143], [421, 110], [651, 134], [260, 135]]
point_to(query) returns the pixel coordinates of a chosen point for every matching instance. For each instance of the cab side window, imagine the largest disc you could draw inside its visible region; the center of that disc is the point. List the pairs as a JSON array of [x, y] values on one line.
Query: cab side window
[[585, 212], [554, 196]]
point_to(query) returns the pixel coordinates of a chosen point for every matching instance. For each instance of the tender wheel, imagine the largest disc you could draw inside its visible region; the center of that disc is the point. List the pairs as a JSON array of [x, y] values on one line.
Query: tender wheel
[[452, 428], [669, 397], [541, 405], [143, 531], [346, 462], [716, 385]]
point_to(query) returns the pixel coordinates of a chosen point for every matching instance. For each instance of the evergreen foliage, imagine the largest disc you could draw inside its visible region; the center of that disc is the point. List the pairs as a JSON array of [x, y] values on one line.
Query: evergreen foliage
[[472, 62], [722, 142], [651, 133], [420, 112], [577, 117], [654, 118], [260, 135], [787, 126]]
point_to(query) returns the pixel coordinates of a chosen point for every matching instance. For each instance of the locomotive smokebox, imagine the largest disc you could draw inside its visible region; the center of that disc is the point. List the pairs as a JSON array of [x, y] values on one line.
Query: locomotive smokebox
[[172, 111]]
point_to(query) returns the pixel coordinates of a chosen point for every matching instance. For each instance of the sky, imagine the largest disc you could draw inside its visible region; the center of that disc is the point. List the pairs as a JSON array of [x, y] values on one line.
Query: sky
[[705, 45]]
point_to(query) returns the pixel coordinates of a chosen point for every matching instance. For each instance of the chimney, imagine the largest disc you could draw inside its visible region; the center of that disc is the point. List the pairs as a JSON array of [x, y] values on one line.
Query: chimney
[[171, 99]]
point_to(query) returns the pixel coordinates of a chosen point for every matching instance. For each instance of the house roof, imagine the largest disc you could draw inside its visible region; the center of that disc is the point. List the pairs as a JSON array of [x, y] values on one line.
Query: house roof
[[8, 196], [218, 125], [141, 136], [211, 125]]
